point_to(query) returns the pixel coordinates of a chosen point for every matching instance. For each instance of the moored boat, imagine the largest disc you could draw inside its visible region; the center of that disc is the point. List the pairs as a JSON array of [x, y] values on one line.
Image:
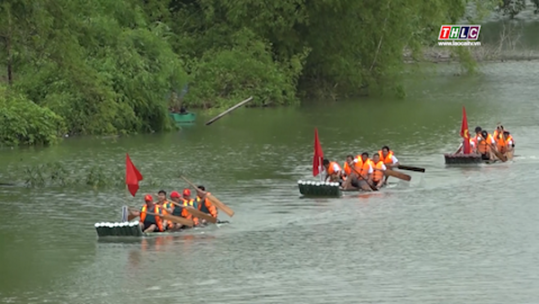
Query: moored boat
[[183, 118]]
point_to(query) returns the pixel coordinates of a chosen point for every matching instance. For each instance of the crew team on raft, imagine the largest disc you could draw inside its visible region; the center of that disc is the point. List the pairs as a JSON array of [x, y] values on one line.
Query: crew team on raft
[[361, 171], [176, 207], [368, 174]]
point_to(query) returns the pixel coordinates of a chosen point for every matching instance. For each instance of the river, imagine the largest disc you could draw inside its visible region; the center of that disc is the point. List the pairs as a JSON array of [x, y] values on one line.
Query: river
[[451, 235]]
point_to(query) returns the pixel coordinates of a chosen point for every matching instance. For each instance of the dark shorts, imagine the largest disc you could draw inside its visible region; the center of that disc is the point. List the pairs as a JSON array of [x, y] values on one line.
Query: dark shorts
[[485, 156], [147, 225]]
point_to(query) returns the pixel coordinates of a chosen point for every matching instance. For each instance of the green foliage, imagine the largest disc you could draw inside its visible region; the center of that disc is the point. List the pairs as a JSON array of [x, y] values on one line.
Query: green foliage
[[107, 67], [246, 68], [56, 174], [24, 122], [512, 8]]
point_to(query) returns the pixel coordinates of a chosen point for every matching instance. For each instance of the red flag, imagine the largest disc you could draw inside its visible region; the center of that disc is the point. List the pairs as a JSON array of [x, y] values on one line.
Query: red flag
[[132, 175], [318, 155], [465, 133]]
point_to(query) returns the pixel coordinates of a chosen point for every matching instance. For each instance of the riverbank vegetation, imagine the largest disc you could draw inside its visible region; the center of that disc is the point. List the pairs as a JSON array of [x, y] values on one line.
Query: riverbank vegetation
[[109, 67]]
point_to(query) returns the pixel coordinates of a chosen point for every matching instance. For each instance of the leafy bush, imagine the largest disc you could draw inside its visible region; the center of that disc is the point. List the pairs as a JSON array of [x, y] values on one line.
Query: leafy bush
[[24, 122], [244, 69]]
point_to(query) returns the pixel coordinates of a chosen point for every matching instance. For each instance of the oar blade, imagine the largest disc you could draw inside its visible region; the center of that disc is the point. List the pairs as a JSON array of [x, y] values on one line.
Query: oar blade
[[178, 220], [201, 215], [398, 175], [217, 203]]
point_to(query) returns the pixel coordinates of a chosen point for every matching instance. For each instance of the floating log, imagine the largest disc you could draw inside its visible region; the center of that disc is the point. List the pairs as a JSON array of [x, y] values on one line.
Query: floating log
[[228, 111]]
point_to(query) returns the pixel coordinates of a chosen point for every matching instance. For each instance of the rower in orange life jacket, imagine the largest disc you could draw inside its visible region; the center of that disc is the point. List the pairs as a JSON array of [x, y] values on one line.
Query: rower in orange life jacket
[[475, 140], [498, 132], [505, 143], [378, 171], [333, 171], [150, 222], [162, 200], [164, 204], [362, 174], [485, 143], [204, 204], [176, 210], [347, 167], [389, 159], [188, 201]]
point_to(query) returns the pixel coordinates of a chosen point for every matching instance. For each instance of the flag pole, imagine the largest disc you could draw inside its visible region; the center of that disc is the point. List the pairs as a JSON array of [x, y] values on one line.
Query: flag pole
[[320, 169]]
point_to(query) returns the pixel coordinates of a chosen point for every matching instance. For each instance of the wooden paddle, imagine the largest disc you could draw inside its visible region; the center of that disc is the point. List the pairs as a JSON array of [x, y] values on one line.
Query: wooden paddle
[[373, 188], [410, 168], [389, 172], [201, 215], [175, 219], [196, 213], [498, 154], [217, 203]]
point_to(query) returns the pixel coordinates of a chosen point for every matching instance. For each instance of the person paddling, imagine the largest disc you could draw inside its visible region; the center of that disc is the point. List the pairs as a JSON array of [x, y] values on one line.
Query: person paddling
[[150, 222], [347, 167], [204, 203], [475, 139], [505, 144], [333, 171], [187, 201], [363, 172], [162, 200], [389, 159], [378, 167], [485, 144], [176, 211]]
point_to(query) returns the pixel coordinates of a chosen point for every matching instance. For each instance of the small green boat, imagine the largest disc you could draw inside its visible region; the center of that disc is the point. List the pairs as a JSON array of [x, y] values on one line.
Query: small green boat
[[183, 118]]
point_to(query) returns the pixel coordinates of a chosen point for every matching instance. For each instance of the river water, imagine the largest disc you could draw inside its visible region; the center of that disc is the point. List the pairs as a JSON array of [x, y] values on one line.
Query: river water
[[451, 235]]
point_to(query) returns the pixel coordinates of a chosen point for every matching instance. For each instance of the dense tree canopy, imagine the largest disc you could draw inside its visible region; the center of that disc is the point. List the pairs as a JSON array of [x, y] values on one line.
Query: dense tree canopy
[[102, 66]]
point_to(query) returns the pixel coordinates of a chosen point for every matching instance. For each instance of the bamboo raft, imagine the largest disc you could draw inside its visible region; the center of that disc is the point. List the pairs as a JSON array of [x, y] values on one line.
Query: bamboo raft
[[461, 159], [132, 229], [319, 189]]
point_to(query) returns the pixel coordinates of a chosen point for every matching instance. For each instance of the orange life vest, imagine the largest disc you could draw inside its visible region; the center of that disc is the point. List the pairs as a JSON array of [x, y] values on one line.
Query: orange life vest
[[363, 167], [347, 169], [206, 206], [378, 173], [155, 219], [484, 144], [186, 213], [388, 160], [331, 171]]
